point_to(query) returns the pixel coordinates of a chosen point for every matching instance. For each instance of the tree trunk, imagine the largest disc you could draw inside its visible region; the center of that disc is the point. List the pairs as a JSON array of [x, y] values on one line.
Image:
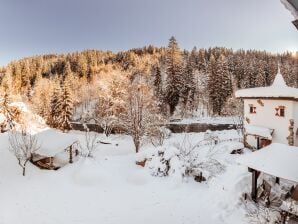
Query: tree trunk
[[23, 166], [137, 144]]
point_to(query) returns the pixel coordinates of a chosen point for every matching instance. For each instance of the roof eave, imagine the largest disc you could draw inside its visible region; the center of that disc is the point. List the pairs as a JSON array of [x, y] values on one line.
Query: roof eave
[[267, 98], [288, 5], [295, 22]]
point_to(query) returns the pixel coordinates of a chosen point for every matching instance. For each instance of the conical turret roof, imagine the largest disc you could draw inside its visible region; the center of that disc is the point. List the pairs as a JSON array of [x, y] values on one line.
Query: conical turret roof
[[278, 89]]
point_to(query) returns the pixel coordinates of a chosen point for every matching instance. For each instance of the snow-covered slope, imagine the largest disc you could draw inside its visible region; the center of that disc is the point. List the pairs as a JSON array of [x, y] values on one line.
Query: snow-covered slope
[[26, 119]]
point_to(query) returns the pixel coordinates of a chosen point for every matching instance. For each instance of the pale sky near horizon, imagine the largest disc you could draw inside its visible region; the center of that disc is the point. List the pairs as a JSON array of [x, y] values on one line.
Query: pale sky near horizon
[[35, 27]]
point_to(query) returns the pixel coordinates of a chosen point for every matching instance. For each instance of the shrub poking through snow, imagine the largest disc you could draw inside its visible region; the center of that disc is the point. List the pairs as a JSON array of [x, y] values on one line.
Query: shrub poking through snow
[[158, 136], [90, 144], [261, 214]]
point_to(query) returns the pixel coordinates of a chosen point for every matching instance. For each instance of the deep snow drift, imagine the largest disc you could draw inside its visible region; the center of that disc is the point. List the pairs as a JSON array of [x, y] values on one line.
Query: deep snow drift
[[110, 188]]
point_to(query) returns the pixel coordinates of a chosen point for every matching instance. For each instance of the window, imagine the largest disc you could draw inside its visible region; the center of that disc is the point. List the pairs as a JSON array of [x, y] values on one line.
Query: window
[[252, 109], [280, 111]]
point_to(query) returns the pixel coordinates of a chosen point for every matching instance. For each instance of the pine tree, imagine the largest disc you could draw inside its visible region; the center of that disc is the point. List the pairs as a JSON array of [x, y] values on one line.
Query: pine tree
[[25, 79], [219, 85], [41, 99], [157, 82], [82, 66], [67, 71], [260, 74], [54, 107], [212, 83], [65, 107], [225, 81], [201, 61], [188, 90], [174, 74]]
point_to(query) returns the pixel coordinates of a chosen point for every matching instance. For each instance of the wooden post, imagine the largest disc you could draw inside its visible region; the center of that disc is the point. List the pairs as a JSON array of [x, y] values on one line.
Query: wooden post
[[51, 162], [70, 154], [258, 143], [254, 184]]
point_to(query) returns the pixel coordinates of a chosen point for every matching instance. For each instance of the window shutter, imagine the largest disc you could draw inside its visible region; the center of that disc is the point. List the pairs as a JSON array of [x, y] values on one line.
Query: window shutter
[[254, 110], [277, 112]]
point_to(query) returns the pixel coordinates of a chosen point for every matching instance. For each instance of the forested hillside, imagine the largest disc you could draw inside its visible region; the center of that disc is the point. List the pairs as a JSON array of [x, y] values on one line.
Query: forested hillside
[[172, 81]]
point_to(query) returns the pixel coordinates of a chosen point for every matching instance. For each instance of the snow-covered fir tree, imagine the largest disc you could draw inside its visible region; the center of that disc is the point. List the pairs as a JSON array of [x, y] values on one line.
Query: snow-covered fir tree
[[54, 107], [65, 106], [219, 85], [157, 82], [174, 71]]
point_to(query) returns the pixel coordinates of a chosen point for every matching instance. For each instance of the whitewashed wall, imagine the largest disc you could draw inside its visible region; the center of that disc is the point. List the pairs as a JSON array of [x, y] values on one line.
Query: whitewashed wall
[[265, 117], [296, 122]]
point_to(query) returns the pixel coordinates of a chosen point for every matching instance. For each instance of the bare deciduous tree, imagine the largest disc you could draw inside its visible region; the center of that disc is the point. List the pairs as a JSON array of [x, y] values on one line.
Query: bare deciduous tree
[[90, 143], [141, 118], [111, 101], [23, 145]]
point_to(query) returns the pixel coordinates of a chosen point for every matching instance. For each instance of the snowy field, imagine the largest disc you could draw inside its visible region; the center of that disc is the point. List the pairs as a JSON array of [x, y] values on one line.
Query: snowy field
[[111, 189]]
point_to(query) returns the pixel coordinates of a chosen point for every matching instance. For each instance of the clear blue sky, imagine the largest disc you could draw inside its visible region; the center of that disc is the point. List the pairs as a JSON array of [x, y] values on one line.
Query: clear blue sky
[[30, 27]]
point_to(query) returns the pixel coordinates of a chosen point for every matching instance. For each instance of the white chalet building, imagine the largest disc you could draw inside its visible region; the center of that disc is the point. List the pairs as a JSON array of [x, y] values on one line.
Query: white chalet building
[[270, 114]]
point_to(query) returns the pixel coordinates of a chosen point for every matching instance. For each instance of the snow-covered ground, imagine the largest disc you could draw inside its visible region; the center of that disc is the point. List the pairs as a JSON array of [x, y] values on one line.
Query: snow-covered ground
[[111, 189]]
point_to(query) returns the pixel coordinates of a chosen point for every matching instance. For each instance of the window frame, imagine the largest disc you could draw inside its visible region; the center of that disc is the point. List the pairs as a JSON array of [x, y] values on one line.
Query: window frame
[[252, 109], [280, 111]]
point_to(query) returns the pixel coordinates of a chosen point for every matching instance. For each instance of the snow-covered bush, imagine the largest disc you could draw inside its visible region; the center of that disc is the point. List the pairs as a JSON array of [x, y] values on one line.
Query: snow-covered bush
[[183, 159], [164, 161], [158, 165]]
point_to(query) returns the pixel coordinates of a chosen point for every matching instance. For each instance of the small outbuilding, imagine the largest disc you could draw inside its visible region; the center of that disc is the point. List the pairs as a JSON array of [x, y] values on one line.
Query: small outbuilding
[[52, 143]]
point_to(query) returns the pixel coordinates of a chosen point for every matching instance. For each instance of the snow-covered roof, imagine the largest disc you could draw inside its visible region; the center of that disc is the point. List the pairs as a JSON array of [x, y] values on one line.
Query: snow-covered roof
[[53, 142], [292, 6], [259, 131], [277, 159], [278, 89]]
